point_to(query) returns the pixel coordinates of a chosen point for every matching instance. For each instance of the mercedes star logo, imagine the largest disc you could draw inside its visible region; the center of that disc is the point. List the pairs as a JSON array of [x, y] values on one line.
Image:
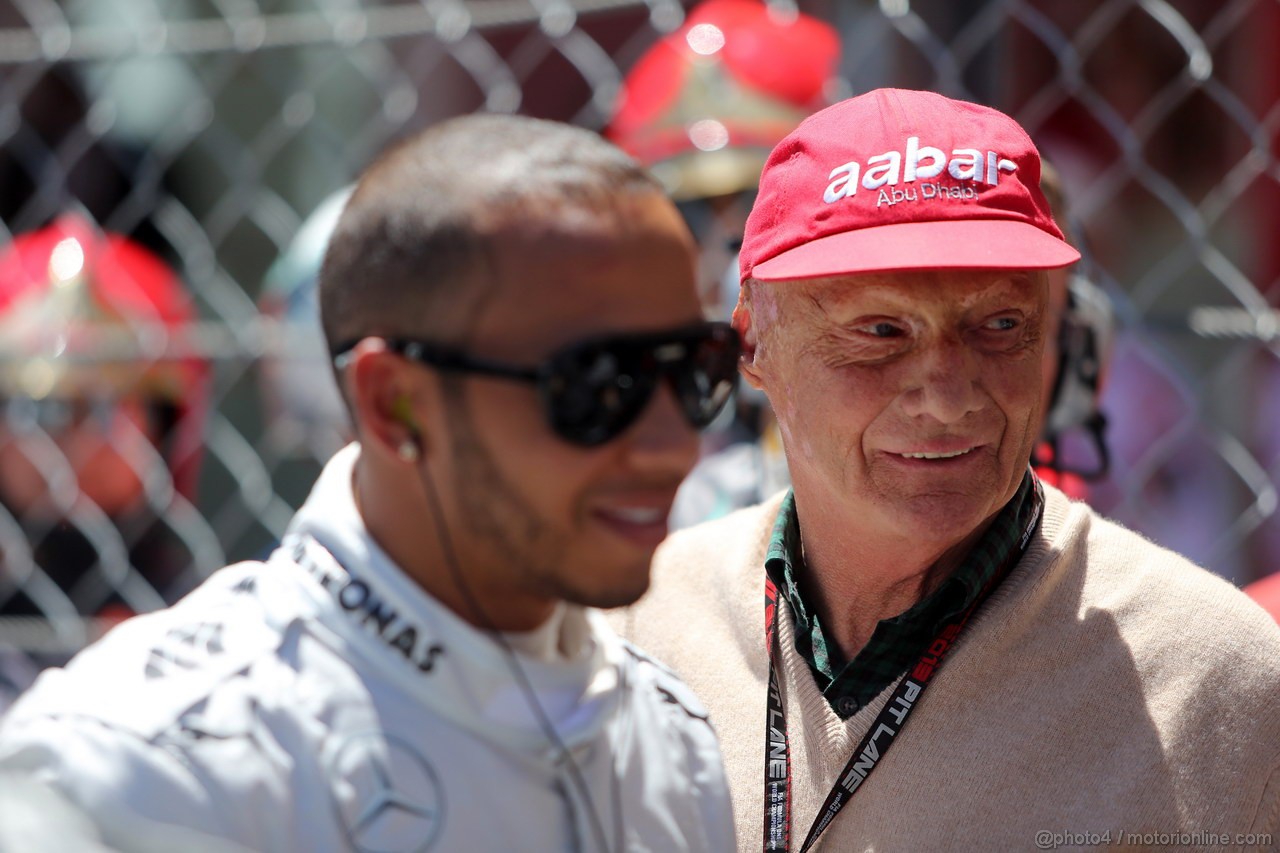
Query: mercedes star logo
[[388, 797]]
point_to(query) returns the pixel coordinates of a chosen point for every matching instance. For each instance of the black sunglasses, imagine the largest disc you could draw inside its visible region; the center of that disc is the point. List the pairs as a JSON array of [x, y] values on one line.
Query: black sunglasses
[[594, 389]]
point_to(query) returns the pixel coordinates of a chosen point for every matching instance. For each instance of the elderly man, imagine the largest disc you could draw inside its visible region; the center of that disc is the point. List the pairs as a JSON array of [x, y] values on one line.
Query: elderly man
[[920, 646], [512, 308]]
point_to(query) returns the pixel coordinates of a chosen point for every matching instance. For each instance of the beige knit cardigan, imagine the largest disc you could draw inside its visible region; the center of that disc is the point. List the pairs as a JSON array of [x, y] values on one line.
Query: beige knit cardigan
[[1108, 695]]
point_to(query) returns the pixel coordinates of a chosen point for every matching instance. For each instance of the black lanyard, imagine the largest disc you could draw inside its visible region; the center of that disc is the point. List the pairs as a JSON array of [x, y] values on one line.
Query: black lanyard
[[887, 726]]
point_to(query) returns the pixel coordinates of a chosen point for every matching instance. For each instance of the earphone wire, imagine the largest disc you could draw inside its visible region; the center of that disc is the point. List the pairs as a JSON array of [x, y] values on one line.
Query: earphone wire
[[513, 662]]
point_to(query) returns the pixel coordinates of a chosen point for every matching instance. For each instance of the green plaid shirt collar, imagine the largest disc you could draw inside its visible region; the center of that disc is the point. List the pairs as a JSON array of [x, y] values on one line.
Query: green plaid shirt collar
[[897, 642]]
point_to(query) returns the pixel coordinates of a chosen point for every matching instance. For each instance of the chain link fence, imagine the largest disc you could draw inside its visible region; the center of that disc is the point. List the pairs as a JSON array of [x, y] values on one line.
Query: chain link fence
[[209, 130]]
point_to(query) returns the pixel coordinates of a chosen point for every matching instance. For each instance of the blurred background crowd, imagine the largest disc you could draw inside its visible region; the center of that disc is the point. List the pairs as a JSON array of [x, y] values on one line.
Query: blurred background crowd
[[169, 171]]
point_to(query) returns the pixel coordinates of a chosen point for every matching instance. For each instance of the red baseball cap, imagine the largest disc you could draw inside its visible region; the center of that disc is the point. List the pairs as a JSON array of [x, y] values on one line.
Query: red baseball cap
[[898, 180]]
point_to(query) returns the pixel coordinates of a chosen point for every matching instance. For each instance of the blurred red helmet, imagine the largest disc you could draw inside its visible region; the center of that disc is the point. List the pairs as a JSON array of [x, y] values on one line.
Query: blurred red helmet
[[705, 105], [85, 312]]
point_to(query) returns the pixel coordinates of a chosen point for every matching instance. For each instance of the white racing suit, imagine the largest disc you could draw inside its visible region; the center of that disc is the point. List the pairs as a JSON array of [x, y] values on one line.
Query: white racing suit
[[322, 701]]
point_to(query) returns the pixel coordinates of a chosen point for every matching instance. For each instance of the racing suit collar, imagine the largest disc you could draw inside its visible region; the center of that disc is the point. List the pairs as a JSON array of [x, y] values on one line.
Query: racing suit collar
[[377, 610]]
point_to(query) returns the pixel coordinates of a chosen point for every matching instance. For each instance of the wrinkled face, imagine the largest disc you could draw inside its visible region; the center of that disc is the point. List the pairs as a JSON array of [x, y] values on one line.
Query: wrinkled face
[[543, 517], [909, 402]]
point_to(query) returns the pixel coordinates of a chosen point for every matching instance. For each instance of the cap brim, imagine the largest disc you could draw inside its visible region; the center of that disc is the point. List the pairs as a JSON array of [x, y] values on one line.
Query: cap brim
[[950, 244]]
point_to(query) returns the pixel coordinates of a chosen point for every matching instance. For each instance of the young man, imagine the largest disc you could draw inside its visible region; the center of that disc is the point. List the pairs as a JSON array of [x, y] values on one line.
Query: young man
[[920, 646], [512, 311]]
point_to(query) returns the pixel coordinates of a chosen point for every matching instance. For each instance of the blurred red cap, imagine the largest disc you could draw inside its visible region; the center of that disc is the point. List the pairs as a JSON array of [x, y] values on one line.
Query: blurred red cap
[[704, 106]]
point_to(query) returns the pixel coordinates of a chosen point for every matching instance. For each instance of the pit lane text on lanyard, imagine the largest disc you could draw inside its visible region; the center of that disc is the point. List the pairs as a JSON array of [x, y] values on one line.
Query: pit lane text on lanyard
[[888, 724]]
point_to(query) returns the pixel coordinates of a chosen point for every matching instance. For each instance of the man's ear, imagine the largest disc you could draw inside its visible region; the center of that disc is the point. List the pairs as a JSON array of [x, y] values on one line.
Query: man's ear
[[747, 331], [385, 396]]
